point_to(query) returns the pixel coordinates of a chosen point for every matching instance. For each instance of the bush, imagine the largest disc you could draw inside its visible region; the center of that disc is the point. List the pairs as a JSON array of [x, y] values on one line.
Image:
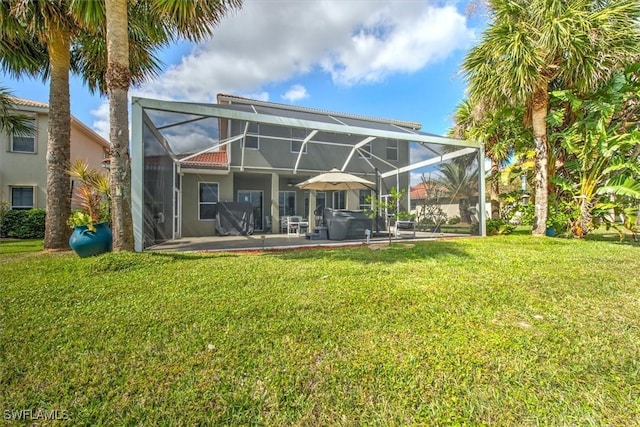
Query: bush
[[497, 227], [454, 220], [23, 224]]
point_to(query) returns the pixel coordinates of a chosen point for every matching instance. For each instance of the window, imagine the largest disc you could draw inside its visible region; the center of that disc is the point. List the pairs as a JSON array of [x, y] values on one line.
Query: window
[[296, 146], [287, 203], [21, 143], [339, 199], [252, 140], [321, 201], [364, 204], [208, 201], [22, 198], [297, 136], [365, 151], [392, 149]]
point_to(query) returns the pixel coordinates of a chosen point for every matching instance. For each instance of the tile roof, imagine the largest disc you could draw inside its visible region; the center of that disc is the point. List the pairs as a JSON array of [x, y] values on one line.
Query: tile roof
[[27, 103], [214, 159], [21, 102], [419, 191]]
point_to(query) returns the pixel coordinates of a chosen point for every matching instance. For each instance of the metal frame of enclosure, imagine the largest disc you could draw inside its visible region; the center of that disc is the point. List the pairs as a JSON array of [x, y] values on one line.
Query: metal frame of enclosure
[[157, 156]]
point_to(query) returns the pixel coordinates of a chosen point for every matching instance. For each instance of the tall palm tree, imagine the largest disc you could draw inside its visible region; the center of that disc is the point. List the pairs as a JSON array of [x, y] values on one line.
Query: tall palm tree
[[499, 130], [531, 44], [43, 29], [191, 19], [44, 39]]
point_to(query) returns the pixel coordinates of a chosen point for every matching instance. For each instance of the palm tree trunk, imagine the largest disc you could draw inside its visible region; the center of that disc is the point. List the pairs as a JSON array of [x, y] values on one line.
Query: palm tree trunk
[[58, 157], [463, 207], [539, 121], [117, 89], [494, 190]]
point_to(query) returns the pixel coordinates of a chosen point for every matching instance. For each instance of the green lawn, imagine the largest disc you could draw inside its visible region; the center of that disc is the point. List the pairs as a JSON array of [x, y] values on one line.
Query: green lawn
[[508, 330]]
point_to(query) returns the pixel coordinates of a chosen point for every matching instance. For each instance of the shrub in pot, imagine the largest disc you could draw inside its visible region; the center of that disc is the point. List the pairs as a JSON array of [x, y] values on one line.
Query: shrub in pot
[[91, 232]]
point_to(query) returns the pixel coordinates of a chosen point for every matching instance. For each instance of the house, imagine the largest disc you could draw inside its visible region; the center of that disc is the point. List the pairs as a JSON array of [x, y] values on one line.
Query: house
[[23, 170], [433, 201], [189, 159]]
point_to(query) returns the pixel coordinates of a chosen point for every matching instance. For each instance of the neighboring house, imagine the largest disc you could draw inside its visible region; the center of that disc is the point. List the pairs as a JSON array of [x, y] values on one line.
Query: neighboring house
[[427, 195], [23, 168], [188, 157]]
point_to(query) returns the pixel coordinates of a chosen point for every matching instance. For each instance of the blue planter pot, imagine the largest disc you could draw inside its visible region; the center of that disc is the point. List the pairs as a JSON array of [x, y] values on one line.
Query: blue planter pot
[[86, 243], [551, 232]]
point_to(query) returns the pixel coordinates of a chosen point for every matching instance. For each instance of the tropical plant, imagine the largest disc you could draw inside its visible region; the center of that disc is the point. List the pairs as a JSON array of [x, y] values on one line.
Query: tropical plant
[[47, 39], [92, 196], [532, 45], [10, 122], [460, 183], [599, 150], [193, 20], [499, 227], [430, 212], [389, 205], [500, 130]]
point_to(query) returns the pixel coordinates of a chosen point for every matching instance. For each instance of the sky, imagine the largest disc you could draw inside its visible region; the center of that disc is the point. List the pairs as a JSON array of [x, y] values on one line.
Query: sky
[[395, 59]]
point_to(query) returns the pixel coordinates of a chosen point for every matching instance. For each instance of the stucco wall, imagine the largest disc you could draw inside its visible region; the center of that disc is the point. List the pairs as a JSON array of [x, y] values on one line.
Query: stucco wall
[[26, 169], [191, 225], [30, 169], [85, 147]]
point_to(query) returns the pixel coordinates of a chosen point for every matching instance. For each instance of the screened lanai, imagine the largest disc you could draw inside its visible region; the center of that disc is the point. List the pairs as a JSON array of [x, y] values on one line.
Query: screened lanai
[[190, 158]]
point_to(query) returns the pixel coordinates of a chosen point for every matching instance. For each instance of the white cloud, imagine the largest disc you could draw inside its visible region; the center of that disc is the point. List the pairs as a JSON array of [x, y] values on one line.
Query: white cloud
[[295, 93], [269, 42], [354, 42], [101, 122]]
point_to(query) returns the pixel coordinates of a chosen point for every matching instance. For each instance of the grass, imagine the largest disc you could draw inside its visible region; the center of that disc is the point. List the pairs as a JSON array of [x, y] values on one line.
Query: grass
[[508, 330]]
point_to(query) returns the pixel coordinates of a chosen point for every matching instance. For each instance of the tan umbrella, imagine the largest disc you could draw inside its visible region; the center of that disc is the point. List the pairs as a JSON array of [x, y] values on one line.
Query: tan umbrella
[[336, 180]]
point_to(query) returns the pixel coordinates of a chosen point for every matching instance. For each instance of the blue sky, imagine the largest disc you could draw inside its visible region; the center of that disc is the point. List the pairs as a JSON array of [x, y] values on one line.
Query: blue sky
[[395, 59]]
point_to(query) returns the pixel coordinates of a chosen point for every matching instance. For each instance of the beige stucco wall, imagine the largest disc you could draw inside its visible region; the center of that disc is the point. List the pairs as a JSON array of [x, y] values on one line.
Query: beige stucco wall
[[25, 169], [30, 169], [85, 147], [191, 225]]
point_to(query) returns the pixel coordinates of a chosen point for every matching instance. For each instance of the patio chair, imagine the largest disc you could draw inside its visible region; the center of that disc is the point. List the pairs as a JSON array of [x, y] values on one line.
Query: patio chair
[[294, 225]]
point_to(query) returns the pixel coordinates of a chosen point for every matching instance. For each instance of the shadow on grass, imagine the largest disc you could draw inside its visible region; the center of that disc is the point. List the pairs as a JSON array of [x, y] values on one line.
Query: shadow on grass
[[613, 238], [380, 252], [127, 261], [191, 256]]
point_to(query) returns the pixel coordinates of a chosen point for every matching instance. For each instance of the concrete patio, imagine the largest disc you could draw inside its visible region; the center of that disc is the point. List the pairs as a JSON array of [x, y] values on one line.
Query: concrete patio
[[266, 242]]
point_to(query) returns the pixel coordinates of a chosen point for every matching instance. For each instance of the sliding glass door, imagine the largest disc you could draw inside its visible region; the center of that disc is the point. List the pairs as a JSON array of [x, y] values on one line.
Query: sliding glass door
[[254, 197]]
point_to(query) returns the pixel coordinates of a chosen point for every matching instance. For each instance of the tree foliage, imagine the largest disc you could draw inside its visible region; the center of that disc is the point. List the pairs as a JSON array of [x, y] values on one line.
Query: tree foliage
[[532, 46]]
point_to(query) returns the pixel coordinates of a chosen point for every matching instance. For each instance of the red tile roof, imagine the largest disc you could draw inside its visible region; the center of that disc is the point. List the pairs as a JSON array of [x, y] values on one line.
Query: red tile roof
[[419, 191], [215, 159]]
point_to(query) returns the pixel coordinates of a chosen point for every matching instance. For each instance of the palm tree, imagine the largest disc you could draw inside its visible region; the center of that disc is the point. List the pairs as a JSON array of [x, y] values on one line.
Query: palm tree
[[193, 20], [531, 44], [501, 132], [12, 123], [45, 39], [460, 182]]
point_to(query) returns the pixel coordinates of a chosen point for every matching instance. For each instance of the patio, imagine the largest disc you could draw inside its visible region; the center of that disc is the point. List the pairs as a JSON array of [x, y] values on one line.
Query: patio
[[190, 159], [267, 242]]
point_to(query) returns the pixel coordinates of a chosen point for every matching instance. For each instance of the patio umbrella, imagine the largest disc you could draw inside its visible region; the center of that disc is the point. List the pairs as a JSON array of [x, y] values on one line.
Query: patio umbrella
[[336, 180]]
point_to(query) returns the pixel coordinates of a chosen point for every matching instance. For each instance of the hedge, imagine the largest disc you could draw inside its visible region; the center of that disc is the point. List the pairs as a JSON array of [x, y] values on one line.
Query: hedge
[[23, 224]]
